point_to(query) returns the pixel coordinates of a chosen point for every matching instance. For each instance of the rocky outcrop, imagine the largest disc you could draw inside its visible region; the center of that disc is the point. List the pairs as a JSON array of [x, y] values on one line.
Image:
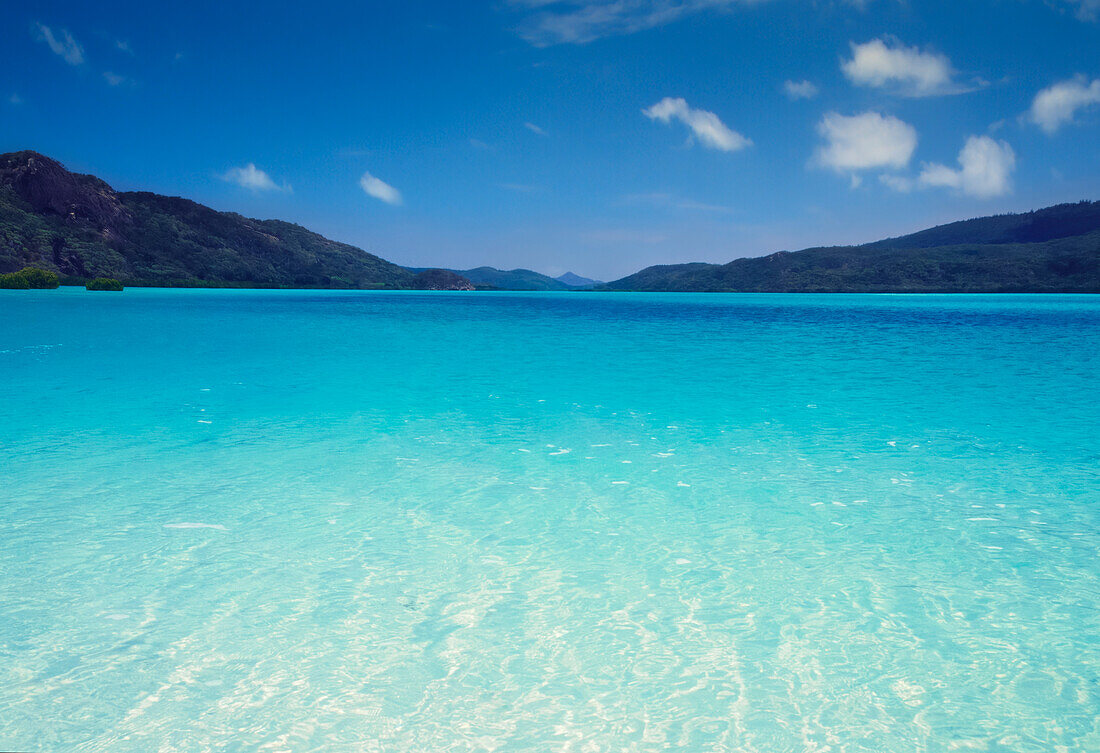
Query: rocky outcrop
[[441, 279], [49, 188], [78, 226]]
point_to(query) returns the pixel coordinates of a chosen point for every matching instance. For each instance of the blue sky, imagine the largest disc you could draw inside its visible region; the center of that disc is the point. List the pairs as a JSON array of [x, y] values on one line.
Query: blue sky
[[598, 136]]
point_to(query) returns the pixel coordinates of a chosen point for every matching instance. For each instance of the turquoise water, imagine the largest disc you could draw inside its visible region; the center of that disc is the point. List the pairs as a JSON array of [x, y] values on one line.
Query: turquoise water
[[328, 521]]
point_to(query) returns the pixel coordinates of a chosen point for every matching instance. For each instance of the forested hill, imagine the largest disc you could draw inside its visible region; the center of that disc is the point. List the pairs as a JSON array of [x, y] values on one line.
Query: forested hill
[[1059, 221], [508, 279], [78, 226], [1056, 249], [521, 279]]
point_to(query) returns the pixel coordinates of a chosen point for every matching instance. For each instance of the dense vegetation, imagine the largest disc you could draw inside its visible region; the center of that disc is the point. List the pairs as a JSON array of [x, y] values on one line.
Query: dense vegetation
[[104, 283], [1049, 250], [29, 278], [440, 279], [77, 226], [490, 278], [506, 279], [512, 279], [1059, 221]]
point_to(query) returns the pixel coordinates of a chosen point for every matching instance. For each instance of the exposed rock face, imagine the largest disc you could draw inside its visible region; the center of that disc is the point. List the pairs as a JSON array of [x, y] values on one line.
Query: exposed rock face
[[48, 187], [441, 279], [77, 226]]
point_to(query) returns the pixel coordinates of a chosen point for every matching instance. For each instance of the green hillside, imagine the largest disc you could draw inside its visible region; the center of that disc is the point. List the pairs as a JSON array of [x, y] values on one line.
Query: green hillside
[[1050, 250], [507, 279], [79, 227]]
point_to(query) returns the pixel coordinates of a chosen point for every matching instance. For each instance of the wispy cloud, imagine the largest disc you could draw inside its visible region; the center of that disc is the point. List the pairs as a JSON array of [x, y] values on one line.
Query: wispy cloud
[[15, 99], [866, 141], [663, 200], [583, 21], [253, 178], [123, 46], [62, 44], [703, 124], [1086, 10], [909, 71], [796, 90], [899, 183], [114, 79], [380, 190], [1057, 105], [480, 145], [985, 169], [535, 129]]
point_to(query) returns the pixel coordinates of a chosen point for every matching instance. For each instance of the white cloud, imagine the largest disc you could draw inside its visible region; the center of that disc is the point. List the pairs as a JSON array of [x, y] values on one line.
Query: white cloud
[[897, 182], [534, 129], [253, 178], [123, 46], [15, 99], [704, 125], [985, 169], [113, 79], [865, 141], [583, 21], [380, 190], [887, 63], [63, 44], [1056, 105], [800, 89]]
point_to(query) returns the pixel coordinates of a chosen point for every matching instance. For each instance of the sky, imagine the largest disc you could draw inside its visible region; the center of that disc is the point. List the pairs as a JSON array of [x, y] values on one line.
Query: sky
[[593, 136]]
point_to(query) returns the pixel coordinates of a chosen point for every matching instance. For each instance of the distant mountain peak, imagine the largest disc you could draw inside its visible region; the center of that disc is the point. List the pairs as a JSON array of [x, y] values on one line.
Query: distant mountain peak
[[506, 279], [576, 281]]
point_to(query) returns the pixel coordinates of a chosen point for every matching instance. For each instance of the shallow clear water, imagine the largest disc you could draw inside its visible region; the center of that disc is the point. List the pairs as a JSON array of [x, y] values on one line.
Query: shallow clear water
[[302, 521]]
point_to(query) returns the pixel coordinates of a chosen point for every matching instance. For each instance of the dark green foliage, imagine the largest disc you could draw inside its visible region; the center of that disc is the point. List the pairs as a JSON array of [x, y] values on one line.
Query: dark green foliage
[[441, 279], [40, 279], [78, 226], [30, 278], [1060, 221], [1055, 250], [511, 279], [104, 283], [14, 281]]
